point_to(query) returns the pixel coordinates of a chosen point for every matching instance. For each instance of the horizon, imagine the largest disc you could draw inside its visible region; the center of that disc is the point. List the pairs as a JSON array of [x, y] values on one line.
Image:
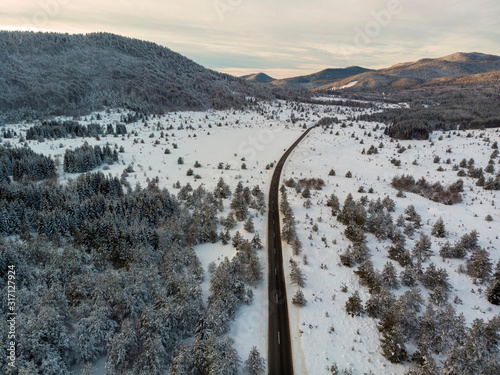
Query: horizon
[[281, 39], [249, 71]]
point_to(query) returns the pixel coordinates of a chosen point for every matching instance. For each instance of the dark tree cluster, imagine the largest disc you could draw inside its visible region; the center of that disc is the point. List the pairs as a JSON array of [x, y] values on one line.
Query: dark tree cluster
[[379, 220], [23, 164], [288, 230], [62, 129], [475, 109], [85, 158], [211, 351], [493, 293], [110, 271], [305, 183], [467, 243], [488, 183], [105, 272], [436, 192]]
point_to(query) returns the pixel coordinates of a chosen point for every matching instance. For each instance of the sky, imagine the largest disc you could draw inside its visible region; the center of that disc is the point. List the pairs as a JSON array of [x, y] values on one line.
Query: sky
[[283, 38]]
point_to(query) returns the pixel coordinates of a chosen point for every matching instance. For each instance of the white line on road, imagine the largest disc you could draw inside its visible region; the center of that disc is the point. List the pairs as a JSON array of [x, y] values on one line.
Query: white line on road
[[279, 341]]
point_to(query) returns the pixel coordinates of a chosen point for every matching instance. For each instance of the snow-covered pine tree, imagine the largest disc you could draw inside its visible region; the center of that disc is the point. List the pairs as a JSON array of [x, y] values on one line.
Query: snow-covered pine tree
[[299, 298], [255, 364]]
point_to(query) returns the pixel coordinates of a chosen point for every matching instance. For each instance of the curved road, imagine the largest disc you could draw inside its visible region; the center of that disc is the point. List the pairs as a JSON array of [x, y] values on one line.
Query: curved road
[[279, 347]]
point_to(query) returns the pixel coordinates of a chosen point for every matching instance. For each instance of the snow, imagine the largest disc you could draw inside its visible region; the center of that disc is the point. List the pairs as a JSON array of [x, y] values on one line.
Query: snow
[[355, 342], [260, 136], [346, 86], [256, 138]]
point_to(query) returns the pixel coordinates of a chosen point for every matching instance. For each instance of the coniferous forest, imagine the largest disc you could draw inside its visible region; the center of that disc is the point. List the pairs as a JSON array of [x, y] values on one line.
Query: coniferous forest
[[106, 269]]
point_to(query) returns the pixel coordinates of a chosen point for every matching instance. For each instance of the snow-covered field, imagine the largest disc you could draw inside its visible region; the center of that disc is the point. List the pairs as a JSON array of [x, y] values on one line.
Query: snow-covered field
[[323, 333], [354, 343], [255, 138]]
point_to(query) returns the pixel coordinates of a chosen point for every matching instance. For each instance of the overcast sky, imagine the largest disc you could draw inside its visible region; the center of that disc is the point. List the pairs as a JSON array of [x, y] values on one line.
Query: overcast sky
[[282, 38]]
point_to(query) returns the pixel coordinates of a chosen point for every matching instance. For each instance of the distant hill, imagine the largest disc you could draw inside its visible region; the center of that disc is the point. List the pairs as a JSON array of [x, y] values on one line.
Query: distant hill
[[44, 74], [321, 78], [258, 77], [438, 71]]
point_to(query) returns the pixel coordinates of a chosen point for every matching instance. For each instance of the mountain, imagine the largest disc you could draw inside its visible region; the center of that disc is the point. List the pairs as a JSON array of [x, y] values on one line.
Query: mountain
[[258, 77], [426, 71], [321, 78], [44, 74]]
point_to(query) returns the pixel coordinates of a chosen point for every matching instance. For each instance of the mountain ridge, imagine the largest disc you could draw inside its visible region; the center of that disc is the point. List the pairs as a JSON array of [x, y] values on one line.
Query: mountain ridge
[[47, 74], [411, 74], [258, 77], [320, 78]]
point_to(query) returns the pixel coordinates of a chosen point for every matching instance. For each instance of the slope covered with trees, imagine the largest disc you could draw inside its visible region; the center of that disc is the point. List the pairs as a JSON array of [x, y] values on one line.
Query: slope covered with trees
[[50, 74]]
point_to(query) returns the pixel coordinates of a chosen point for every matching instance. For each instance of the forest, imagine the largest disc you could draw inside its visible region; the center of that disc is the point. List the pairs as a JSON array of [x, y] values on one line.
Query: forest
[[107, 270], [47, 74], [442, 108]]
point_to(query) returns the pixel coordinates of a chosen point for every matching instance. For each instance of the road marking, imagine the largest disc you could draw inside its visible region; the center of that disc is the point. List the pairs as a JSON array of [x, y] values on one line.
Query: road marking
[[274, 235], [275, 251], [277, 299], [275, 270], [279, 340]]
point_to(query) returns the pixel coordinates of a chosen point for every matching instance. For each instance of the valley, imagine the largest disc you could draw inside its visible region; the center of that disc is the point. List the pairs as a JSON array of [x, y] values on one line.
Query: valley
[[164, 218]]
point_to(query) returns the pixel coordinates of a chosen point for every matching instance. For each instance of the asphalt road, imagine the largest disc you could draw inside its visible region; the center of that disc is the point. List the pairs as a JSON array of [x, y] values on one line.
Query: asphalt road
[[279, 348]]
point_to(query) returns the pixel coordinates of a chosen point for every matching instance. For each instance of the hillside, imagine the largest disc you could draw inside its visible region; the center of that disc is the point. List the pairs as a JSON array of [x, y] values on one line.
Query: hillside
[[324, 77], [258, 77], [413, 74], [50, 74]]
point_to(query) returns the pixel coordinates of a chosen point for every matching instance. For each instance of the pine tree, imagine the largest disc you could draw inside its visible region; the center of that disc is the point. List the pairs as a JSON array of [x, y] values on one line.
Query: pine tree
[[438, 230], [296, 246], [479, 266], [389, 276], [479, 353], [413, 216], [306, 193], [225, 237], [392, 341], [425, 366], [255, 364], [296, 275], [256, 242], [389, 204], [299, 299], [237, 239], [422, 250], [222, 190], [229, 222], [334, 203], [493, 293], [378, 303], [248, 226], [354, 305], [240, 207], [407, 277]]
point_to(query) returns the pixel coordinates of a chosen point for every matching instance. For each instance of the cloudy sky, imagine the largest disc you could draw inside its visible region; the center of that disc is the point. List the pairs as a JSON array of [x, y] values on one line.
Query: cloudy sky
[[282, 38]]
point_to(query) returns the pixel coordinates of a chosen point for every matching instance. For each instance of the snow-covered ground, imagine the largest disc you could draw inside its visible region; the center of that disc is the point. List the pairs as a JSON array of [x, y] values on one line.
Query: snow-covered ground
[[323, 333], [255, 138], [353, 343]]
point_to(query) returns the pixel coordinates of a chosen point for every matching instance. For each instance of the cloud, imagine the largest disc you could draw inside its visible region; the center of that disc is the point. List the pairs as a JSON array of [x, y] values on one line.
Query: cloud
[[282, 36]]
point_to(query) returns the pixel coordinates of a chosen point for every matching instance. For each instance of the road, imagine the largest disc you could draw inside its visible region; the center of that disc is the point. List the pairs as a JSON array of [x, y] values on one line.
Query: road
[[279, 347]]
